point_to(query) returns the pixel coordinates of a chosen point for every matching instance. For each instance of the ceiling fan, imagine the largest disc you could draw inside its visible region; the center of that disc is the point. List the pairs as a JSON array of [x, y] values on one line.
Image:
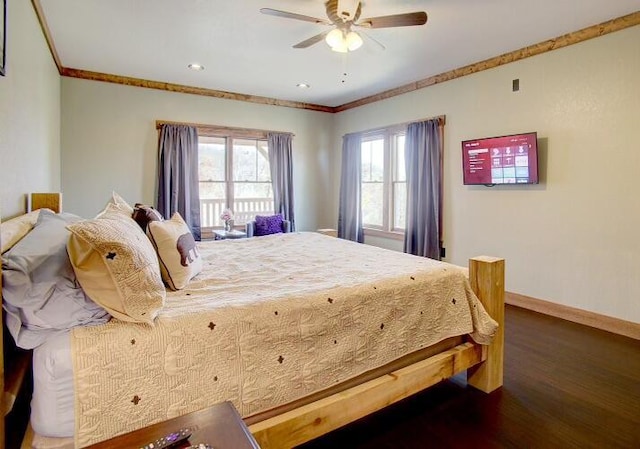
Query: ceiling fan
[[343, 15]]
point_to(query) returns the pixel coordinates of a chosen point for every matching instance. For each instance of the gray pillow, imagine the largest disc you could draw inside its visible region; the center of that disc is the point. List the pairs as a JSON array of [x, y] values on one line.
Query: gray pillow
[[41, 294]]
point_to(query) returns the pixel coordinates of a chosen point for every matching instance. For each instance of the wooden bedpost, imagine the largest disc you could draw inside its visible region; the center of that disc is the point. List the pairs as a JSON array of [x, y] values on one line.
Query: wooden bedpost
[[51, 201], [486, 275]]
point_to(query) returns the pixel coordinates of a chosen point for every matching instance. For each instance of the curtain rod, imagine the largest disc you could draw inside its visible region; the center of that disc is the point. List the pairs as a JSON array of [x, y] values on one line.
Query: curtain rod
[[220, 129], [442, 120]]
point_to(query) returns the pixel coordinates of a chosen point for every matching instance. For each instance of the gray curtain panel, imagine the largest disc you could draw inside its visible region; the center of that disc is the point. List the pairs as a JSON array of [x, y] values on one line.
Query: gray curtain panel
[[350, 209], [422, 160], [281, 166], [178, 187]]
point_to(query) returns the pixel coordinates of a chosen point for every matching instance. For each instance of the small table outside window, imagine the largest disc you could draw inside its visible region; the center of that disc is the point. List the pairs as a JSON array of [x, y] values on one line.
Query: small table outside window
[[233, 234]]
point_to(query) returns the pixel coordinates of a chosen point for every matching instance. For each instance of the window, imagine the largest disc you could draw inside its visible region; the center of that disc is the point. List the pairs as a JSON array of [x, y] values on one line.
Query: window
[[384, 186], [373, 182], [234, 173]]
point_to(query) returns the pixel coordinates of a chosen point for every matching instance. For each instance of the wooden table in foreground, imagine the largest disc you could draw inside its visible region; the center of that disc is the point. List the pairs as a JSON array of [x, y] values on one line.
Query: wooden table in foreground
[[219, 426]]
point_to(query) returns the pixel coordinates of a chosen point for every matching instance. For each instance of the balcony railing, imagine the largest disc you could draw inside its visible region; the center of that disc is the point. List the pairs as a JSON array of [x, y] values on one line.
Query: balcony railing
[[244, 209]]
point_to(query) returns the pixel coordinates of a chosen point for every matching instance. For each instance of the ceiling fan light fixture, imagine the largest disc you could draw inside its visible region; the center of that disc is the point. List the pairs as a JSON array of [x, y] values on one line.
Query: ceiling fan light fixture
[[341, 48], [335, 38], [342, 41], [353, 41]]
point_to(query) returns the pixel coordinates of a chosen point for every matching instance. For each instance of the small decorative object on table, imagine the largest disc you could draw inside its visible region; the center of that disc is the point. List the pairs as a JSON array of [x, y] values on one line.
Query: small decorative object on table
[[227, 217]]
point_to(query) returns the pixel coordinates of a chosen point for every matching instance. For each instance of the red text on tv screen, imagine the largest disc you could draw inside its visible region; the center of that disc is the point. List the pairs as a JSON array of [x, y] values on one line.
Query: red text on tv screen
[[501, 160]]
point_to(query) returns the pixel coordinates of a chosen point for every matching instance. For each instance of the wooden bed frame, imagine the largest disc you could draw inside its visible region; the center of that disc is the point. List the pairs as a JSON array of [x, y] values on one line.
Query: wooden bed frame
[[484, 365]]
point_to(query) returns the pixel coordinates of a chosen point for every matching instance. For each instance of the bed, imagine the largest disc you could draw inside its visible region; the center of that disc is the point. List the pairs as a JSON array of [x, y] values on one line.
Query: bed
[[354, 336]]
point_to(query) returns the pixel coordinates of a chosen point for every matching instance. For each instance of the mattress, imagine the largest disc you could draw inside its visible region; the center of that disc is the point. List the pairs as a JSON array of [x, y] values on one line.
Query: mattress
[[52, 403], [269, 321]]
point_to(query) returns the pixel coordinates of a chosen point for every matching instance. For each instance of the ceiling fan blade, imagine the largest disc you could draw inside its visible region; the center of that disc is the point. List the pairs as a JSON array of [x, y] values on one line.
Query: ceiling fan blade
[[291, 15], [396, 20], [312, 40], [372, 39]]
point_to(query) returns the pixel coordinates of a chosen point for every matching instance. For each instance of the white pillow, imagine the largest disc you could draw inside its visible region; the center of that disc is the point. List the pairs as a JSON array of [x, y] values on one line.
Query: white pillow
[[117, 204], [179, 258]]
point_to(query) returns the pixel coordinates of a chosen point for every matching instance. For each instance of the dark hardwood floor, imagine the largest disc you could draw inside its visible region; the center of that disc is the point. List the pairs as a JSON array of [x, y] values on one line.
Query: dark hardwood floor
[[565, 386]]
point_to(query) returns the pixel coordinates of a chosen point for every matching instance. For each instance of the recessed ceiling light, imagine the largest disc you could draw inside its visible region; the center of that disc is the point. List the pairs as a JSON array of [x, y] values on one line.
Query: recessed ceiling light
[[196, 67], [303, 85]]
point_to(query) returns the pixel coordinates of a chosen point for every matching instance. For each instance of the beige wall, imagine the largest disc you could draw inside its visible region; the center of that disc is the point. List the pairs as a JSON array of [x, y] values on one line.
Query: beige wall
[[109, 142], [572, 239], [29, 113]]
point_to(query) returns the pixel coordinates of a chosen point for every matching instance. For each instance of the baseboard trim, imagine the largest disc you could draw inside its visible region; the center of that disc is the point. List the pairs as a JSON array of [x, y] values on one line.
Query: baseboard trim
[[592, 319]]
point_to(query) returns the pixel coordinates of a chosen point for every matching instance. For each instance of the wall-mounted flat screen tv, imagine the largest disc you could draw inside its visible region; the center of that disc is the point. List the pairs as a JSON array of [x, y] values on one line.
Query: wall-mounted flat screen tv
[[501, 160]]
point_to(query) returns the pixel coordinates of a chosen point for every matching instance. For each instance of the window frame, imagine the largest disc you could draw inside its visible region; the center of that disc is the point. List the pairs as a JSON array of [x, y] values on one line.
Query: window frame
[[229, 135], [389, 136]]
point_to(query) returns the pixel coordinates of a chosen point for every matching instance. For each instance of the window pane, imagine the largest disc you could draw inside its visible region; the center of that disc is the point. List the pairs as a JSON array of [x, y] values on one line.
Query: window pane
[[212, 190], [212, 203], [366, 161], [251, 199], [400, 168], [372, 160], [377, 160], [211, 153], [253, 190], [264, 174], [244, 160], [372, 203], [399, 205]]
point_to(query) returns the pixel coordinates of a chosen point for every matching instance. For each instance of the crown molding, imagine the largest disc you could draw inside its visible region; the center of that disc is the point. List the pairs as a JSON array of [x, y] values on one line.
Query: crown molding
[[180, 88]]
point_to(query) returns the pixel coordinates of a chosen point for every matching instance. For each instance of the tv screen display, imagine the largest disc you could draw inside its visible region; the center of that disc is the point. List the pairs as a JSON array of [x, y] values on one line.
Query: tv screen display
[[501, 160]]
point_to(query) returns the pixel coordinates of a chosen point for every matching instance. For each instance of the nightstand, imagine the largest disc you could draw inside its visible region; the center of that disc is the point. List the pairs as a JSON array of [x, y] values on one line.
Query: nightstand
[[223, 235], [219, 426]]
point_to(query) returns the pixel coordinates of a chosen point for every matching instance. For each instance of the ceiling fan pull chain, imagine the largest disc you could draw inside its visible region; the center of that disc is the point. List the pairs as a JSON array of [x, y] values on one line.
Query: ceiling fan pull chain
[[344, 68]]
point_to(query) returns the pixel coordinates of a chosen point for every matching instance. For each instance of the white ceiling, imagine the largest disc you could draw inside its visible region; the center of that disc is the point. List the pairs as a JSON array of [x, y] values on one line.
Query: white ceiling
[[247, 52]]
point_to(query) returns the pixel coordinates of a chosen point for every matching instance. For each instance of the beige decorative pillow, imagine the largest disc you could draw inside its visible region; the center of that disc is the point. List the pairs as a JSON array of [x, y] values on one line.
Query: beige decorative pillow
[[12, 231], [114, 212], [117, 267], [117, 204], [179, 257]]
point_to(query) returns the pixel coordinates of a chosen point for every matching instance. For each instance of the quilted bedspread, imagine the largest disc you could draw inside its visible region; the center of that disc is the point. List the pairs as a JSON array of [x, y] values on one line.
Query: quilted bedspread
[[269, 320]]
